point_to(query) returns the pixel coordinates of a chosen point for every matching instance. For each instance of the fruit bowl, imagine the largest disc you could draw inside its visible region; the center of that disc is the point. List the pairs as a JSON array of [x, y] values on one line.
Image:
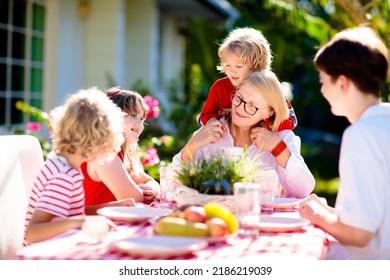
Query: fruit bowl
[[212, 222], [185, 196]]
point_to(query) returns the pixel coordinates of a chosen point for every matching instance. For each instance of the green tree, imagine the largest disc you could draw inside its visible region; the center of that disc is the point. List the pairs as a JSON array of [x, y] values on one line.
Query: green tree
[[294, 28]]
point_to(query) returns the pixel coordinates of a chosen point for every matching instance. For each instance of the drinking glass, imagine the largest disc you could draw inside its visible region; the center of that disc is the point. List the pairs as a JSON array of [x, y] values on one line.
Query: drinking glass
[[166, 185], [247, 196], [269, 188], [234, 153]]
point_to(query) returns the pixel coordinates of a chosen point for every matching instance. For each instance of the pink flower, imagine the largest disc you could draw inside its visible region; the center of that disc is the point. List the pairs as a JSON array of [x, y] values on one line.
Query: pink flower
[[154, 110], [151, 157], [33, 126], [164, 139]]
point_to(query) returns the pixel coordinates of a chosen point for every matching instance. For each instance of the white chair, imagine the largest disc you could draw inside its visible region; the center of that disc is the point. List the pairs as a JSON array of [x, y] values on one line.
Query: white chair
[[21, 158]]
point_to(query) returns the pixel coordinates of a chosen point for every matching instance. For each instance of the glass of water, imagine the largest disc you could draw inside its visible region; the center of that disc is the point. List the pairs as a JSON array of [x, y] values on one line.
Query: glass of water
[[248, 209], [166, 185], [268, 189]]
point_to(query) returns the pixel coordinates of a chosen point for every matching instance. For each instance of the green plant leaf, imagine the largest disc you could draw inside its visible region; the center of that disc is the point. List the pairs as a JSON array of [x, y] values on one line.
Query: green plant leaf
[[217, 174]]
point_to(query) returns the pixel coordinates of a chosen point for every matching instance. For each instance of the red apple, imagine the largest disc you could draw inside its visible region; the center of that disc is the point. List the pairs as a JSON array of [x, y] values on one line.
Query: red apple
[[195, 214], [217, 227]]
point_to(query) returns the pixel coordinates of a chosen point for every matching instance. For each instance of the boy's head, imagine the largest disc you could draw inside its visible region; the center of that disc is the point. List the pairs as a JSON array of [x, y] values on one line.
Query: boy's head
[[88, 124], [360, 55], [250, 46]]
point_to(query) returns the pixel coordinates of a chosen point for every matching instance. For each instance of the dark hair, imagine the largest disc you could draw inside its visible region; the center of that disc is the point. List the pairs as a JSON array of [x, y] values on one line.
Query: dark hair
[[363, 59], [130, 102]]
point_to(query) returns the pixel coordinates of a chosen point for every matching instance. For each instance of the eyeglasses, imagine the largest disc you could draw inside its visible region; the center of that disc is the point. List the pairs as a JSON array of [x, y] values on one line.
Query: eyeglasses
[[248, 107]]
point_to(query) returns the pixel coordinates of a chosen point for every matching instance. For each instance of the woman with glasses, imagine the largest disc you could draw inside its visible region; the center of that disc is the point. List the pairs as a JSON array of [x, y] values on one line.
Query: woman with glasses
[[258, 108]]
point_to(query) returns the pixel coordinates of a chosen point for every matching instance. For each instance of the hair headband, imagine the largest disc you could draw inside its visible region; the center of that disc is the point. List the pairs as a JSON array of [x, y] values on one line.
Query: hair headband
[[115, 93]]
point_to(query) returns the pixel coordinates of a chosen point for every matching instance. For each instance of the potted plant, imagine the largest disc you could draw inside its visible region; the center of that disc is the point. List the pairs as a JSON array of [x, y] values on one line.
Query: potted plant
[[205, 180]]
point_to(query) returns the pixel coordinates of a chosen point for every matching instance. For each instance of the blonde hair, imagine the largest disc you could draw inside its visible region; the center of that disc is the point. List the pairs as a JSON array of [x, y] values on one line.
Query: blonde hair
[[88, 123], [269, 86], [131, 103], [250, 45]]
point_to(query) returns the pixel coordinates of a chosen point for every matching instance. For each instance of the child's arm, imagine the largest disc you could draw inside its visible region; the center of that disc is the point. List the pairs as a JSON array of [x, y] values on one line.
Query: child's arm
[[207, 113], [115, 176], [149, 186], [212, 106], [42, 227], [292, 121], [92, 209]]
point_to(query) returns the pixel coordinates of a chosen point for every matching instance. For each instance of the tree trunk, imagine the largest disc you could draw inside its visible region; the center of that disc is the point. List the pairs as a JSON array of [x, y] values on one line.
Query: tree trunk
[[354, 9]]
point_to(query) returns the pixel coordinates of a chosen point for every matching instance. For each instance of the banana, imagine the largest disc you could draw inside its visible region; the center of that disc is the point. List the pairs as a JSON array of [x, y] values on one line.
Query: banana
[[181, 227], [216, 210]]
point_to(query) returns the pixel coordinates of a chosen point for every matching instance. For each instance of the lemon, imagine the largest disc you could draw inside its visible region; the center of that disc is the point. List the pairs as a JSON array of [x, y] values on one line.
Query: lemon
[[217, 210]]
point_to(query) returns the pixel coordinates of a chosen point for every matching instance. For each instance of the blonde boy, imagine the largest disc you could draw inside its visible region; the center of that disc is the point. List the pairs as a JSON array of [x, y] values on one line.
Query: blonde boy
[[86, 127], [243, 51]]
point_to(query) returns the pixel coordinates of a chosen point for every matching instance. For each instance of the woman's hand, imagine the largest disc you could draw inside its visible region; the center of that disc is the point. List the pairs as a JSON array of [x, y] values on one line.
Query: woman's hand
[[264, 139], [210, 133]]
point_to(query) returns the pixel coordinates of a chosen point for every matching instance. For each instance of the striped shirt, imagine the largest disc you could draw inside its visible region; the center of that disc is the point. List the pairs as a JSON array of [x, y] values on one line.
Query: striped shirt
[[58, 190]]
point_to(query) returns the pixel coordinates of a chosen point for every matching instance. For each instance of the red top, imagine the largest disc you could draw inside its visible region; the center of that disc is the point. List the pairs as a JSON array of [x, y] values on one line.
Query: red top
[[96, 192], [220, 98]]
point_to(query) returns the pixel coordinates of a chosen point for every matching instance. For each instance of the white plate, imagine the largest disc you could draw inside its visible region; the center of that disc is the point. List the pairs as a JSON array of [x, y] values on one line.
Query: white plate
[[286, 202], [281, 224], [218, 239], [159, 246], [210, 239], [132, 214]]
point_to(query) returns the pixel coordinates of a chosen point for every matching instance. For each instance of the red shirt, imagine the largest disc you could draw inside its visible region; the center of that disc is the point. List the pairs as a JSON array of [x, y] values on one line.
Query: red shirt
[[220, 98], [96, 192]]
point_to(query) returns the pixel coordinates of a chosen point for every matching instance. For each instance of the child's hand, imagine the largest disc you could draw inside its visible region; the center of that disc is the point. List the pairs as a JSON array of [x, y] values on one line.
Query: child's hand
[[95, 228], [123, 202], [149, 194], [316, 211]]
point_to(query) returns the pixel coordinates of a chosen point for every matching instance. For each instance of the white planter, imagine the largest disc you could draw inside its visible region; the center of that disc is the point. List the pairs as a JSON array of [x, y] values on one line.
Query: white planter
[[185, 195]]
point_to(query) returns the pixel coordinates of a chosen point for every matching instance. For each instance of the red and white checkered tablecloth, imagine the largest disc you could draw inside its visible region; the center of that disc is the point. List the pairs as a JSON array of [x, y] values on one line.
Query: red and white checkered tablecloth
[[308, 242]]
